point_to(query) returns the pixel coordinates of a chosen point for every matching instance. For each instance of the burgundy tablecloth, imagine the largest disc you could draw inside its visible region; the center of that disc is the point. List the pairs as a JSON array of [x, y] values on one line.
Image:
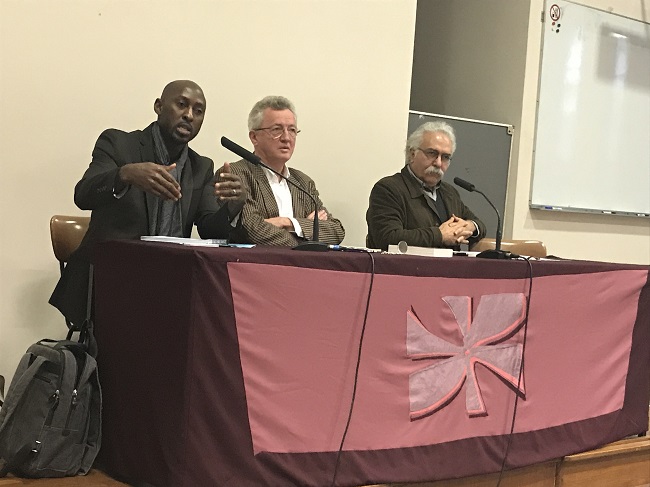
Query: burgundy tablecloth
[[236, 367]]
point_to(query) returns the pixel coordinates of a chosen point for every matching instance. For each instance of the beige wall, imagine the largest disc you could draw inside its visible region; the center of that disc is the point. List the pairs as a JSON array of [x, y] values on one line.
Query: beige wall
[[490, 52], [71, 68]]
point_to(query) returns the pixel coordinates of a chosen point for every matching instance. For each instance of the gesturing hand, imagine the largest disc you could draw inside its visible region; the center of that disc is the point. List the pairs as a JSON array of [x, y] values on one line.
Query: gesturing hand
[[228, 187], [152, 178]]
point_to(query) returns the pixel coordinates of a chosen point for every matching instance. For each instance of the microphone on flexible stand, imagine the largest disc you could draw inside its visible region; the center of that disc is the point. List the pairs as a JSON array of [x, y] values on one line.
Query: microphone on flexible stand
[[495, 253], [313, 244]]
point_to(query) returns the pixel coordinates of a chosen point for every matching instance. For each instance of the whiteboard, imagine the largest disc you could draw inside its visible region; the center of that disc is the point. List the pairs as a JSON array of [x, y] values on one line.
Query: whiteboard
[[592, 136]]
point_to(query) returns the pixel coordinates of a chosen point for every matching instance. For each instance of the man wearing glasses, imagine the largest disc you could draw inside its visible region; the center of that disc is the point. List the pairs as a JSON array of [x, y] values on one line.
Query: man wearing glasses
[[415, 205], [276, 213]]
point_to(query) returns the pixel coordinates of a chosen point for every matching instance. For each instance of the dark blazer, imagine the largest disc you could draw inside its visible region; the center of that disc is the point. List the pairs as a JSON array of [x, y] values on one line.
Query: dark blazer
[[261, 204], [398, 210], [128, 216]]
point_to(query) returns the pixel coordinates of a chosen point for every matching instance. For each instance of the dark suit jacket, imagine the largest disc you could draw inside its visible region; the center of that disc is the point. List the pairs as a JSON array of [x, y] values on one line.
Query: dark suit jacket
[[261, 204], [128, 216], [398, 210]]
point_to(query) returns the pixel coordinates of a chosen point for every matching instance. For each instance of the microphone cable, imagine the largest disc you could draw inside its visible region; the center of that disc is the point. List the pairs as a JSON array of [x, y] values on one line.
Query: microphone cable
[[358, 362], [356, 370], [521, 368]]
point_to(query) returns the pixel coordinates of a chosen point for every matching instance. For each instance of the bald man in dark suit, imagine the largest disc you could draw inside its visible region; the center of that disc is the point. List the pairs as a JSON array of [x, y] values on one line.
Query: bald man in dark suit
[[149, 182]]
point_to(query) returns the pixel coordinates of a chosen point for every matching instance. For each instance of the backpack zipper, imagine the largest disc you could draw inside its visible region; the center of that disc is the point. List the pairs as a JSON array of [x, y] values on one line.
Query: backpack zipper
[[75, 399], [57, 394], [73, 406], [54, 399]]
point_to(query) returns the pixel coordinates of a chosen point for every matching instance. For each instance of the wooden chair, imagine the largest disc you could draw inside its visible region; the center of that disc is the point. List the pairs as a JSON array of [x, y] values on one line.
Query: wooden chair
[[66, 233], [531, 248]]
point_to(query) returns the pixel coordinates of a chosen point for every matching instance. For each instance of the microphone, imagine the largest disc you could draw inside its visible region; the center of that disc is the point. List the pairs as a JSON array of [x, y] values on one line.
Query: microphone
[[314, 244], [465, 185], [495, 253], [243, 153]]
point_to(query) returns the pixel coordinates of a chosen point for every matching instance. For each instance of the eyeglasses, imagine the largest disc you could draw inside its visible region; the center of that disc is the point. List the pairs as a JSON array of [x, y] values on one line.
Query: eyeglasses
[[433, 155], [276, 131]]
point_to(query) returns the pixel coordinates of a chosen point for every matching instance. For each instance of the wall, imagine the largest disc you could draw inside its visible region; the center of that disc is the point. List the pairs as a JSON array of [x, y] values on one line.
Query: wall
[[491, 51], [70, 69]]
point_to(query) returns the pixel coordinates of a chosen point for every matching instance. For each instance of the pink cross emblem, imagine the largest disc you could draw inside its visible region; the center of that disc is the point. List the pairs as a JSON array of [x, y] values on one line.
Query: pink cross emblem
[[485, 341]]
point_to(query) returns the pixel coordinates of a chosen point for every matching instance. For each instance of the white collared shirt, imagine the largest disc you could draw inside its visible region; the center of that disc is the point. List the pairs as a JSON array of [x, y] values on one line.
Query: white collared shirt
[[282, 197]]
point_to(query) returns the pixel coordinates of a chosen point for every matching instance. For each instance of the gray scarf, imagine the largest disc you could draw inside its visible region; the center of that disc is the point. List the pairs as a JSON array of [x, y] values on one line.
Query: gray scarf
[[166, 214]]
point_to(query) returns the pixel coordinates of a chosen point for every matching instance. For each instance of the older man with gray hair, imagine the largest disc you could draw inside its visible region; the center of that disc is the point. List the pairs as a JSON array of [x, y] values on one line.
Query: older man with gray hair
[[276, 213], [415, 205]]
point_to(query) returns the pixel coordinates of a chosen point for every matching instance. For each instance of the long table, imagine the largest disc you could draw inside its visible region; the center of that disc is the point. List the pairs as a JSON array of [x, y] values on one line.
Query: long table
[[271, 367]]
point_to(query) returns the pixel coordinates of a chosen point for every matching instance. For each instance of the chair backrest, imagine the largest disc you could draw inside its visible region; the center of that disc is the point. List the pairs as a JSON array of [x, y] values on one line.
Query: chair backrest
[[66, 233], [531, 248]]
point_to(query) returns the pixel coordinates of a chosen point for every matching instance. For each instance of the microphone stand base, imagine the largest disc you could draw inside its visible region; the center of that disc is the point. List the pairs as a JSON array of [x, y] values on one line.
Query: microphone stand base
[[313, 246], [496, 254]]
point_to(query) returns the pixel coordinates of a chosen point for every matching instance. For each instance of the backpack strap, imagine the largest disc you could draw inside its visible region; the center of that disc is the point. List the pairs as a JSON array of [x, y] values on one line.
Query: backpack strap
[[17, 389], [19, 386], [86, 335], [94, 435]]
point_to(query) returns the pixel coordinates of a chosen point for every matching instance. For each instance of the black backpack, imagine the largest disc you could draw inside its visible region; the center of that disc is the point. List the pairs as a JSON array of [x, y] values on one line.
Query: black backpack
[[50, 422]]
